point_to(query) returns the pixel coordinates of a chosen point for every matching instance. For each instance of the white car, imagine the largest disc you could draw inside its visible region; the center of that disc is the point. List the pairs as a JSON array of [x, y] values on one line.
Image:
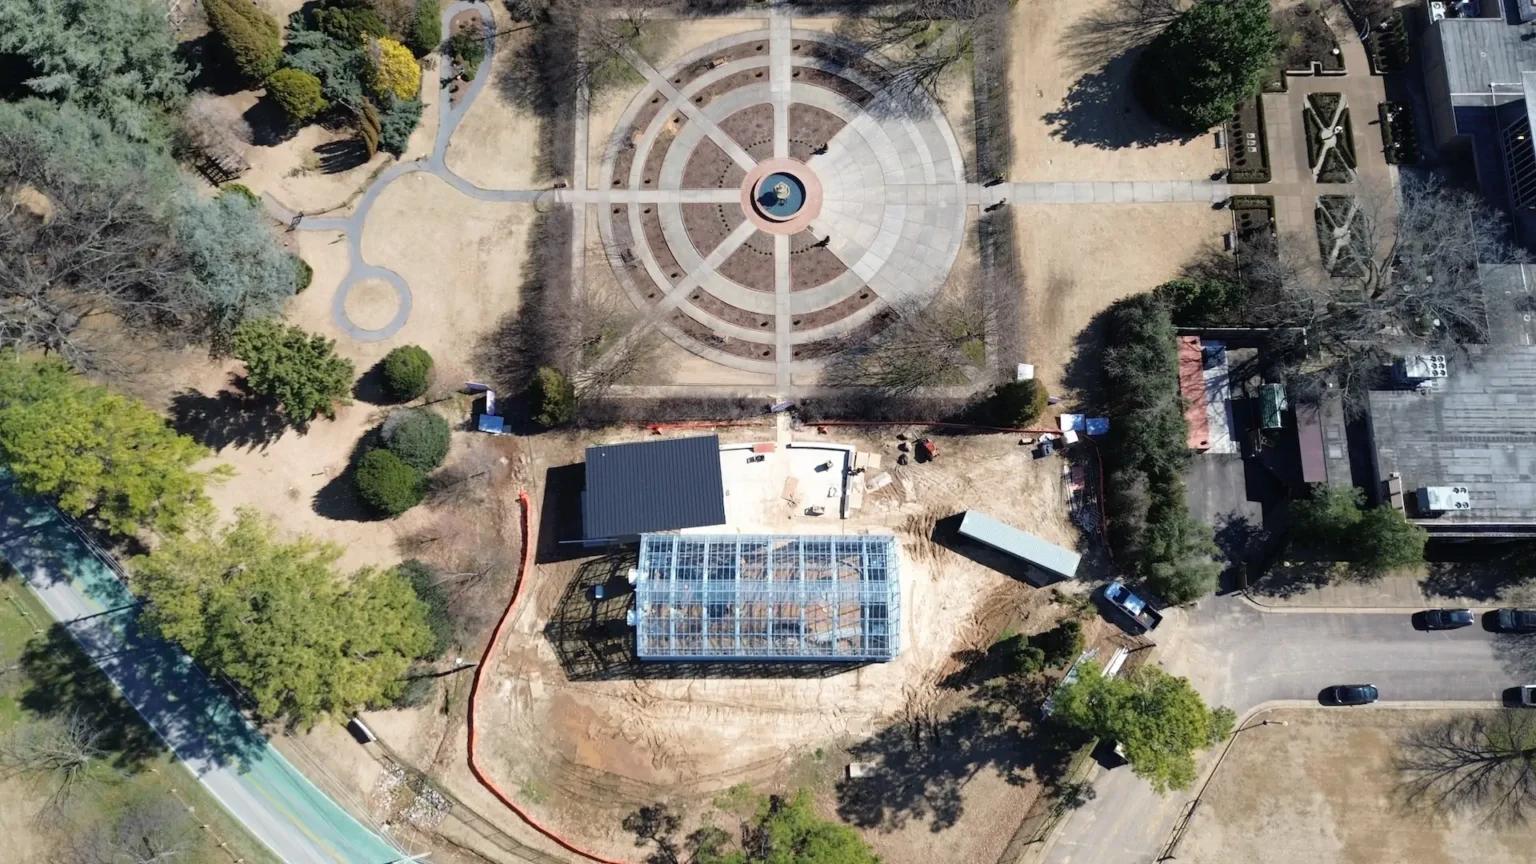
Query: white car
[[1528, 696]]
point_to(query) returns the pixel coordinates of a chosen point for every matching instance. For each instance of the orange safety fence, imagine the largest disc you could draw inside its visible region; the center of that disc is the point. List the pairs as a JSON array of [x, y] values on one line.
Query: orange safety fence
[[529, 541]]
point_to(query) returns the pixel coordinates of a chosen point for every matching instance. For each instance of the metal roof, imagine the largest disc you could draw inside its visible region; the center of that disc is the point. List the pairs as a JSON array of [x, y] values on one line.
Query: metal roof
[[646, 486], [1020, 544], [734, 597], [1484, 59]]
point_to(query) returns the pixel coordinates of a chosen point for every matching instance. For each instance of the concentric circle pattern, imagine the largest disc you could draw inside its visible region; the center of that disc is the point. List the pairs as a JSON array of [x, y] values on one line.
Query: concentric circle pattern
[[876, 226]]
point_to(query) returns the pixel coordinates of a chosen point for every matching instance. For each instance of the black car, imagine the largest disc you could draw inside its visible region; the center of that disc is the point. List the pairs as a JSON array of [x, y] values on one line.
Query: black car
[[1517, 620], [1352, 694], [1447, 619]]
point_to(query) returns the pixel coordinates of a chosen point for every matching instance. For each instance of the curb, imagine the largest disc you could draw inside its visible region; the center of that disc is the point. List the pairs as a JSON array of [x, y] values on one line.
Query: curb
[[1350, 610]]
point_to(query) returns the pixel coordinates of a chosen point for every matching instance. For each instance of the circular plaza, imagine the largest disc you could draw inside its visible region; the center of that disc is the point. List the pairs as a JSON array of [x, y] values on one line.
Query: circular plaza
[[772, 204]]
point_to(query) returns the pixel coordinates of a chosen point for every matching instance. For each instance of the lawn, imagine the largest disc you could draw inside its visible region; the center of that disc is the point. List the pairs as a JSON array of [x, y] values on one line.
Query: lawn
[[49, 679]]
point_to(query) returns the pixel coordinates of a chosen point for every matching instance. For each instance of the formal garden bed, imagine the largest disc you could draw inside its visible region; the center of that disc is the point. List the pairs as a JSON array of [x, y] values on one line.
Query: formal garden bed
[[1388, 44], [1307, 43], [1341, 248], [1330, 138], [1253, 217], [1247, 152], [1399, 138]]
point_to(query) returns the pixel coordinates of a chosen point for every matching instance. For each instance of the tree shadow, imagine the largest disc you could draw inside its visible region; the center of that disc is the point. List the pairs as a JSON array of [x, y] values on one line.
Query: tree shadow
[[1286, 579], [1464, 570], [370, 387], [1241, 541], [1104, 35], [234, 417], [337, 157], [269, 123], [1102, 110], [921, 764], [338, 499], [216, 72]]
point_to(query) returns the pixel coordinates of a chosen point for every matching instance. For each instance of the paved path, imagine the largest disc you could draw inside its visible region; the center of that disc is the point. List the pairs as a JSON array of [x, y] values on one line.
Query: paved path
[[228, 756], [1239, 656]]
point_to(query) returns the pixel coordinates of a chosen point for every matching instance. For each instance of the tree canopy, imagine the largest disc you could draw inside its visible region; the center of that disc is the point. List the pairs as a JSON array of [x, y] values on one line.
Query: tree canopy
[[1160, 720], [297, 92], [114, 58], [1375, 540], [780, 831], [407, 372], [237, 271], [97, 453], [250, 35], [298, 369], [280, 622], [1213, 56], [396, 75], [552, 398], [387, 483], [419, 436]]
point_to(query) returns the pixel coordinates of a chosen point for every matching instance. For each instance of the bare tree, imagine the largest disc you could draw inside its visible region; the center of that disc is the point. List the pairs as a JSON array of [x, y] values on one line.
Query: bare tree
[[210, 124], [60, 752], [1402, 275], [1483, 763], [147, 831], [928, 346], [919, 41]]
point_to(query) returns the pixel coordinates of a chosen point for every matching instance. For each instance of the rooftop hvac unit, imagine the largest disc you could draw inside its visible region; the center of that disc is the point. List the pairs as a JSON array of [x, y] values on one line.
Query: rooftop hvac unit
[[1421, 367], [1444, 499], [1436, 11]]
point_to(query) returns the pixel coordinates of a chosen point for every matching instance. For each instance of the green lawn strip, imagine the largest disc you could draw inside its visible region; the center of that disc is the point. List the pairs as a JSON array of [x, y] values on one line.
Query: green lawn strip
[[137, 764]]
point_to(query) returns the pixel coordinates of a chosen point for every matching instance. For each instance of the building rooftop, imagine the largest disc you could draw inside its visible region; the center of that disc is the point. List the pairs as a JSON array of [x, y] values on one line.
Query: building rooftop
[[660, 485], [1484, 59], [1477, 431], [775, 598]]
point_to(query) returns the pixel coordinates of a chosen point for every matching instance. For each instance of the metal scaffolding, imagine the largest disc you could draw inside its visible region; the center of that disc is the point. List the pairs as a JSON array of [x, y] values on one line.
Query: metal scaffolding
[[767, 598]]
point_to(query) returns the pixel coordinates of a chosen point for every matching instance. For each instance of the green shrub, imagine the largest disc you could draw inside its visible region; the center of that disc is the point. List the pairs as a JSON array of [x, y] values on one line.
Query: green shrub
[[1204, 302], [350, 22], [397, 123], [298, 369], [305, 273], [425, 581], [1061, 644], [552, 398], [297, 92], [419, 436], [250, 35], [468, 48], [243, 191], [1211, 57], [1017, 403], [407, 372], [426, 28], [387, 484], [1017, 656]]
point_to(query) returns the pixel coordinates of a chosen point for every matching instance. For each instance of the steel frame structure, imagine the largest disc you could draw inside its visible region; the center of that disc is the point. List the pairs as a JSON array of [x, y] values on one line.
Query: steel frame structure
[[774, 598]]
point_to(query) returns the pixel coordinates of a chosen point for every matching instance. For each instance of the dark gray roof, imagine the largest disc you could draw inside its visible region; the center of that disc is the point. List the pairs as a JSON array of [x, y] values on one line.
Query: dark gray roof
[[1479, 431], [1484, 53], [648, 486]]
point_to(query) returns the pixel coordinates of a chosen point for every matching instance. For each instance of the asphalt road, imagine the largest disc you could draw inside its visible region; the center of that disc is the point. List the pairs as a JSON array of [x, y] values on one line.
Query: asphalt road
[[1239, 656], [276, 803]]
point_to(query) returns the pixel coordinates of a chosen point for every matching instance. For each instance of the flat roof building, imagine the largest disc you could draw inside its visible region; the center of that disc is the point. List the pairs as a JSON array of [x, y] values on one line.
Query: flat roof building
[[773, 598], [660, 485], [1475, 431]]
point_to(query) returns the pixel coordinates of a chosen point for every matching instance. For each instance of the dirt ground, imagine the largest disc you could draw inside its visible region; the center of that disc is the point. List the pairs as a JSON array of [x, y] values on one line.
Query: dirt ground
[[1075, 115], [1323, 788], [1069, 278], [494, 129], [584, 752]]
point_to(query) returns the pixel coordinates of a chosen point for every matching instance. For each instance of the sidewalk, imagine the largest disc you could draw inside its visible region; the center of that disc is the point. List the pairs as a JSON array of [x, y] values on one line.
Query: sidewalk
[[1389, 592]]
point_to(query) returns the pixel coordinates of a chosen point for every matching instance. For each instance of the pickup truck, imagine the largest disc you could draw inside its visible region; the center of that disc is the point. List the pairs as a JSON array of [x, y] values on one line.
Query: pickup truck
[[1135, 610]]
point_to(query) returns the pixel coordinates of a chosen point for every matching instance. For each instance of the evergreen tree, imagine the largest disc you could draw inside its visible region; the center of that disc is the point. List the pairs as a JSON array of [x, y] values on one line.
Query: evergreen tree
[[97, 453], [279, 621], [297, 92], [396, 74], [249, 34], [419, 436], [407, 372], [1210, 58], [299, 370], [387, 483], [552, 398], [426, 28]]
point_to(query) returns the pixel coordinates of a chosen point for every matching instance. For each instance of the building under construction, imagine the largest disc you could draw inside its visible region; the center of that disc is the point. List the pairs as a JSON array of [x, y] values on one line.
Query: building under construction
[[767, 598]]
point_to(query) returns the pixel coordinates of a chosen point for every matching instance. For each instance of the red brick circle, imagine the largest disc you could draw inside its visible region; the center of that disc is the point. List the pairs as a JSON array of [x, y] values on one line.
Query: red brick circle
[[808, 211]]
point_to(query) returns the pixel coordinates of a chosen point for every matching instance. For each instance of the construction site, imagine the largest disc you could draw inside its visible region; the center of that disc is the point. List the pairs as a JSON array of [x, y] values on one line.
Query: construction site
[[823, 623]]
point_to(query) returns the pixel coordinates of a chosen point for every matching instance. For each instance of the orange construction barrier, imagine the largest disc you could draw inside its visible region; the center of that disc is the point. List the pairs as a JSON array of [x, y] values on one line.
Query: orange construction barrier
[[529, 541]]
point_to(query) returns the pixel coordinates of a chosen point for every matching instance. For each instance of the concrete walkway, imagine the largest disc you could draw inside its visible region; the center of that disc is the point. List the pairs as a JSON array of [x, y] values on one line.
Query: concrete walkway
[[271, 798]]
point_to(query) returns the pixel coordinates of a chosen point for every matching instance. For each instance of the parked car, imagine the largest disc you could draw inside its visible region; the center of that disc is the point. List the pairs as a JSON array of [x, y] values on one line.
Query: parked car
[[1517, 620], [1138, 616], [1352, 694], [1447, 619]]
